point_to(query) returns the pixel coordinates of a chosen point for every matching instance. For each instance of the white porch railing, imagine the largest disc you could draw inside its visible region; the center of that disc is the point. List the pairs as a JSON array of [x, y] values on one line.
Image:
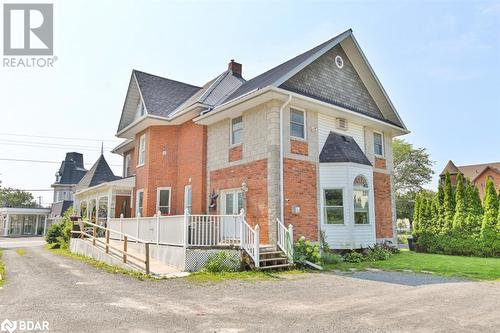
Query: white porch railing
[[285, 239], [191, 231], [250, 241]]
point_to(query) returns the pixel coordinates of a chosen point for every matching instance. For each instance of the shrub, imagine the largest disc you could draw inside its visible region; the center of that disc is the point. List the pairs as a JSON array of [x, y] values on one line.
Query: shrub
[[354, 257], [304, 250], [378, 252], [59, 234], [328, 258], [221, 262]]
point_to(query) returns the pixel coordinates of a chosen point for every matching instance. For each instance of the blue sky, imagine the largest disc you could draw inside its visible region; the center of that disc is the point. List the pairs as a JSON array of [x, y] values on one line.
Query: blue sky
[[439, 61]]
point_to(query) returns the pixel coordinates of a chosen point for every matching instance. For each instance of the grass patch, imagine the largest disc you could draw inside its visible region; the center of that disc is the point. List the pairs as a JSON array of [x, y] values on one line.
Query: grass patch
[[2, 270], [474, 268], [21, 251], [248, 276], [99, 264]]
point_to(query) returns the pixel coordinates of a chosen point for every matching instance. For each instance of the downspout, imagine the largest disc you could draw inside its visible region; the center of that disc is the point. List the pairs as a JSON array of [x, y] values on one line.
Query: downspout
[[282, 156]]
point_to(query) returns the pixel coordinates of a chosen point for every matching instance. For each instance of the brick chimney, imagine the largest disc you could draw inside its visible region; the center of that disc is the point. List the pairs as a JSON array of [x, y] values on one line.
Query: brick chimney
[[235, 68]]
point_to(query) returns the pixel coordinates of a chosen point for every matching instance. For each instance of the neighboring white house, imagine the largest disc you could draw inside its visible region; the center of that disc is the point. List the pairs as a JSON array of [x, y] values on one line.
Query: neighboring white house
[[23, 221]]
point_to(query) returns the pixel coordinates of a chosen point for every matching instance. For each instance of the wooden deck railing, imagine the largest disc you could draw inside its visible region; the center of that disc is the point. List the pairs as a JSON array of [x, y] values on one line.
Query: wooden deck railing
[[122, 253]]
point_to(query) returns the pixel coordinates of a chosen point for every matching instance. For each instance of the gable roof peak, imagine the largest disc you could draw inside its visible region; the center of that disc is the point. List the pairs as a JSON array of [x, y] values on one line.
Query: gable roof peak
[[451, 168]]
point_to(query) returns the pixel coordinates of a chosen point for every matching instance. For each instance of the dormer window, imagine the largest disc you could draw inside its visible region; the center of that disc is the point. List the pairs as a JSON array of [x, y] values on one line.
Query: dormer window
[[140, 110]]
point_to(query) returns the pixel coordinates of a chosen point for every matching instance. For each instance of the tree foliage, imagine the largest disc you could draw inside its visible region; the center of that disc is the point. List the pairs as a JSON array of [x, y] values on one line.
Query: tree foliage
[[412, 167], [459, 219], [10, 197], [490, 215], [448, 204]]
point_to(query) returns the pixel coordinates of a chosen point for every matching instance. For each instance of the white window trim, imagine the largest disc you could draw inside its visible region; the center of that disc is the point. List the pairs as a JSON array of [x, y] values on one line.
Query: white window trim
[[231, 143], [369, 189], [185, 198], [139, 164], [290, 122], [324, 206], [383, 144], [137, 201], [126, 164], [158, 189]]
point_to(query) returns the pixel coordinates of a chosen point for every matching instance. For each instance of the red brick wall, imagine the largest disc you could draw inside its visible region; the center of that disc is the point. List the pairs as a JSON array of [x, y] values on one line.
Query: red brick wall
[[235, 153], [300, 189], [480, 181], [380, 163], [255, 175], [173, 155], [299, 147], [383, 205]]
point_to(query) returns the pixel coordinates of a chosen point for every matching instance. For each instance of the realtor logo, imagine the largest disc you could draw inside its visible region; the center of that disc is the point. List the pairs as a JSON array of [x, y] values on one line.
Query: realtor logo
[[28, 29], [8, 326]]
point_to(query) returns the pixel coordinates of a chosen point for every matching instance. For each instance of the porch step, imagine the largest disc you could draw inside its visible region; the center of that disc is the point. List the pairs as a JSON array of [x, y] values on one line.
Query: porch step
[[276, 266], [274, 259]]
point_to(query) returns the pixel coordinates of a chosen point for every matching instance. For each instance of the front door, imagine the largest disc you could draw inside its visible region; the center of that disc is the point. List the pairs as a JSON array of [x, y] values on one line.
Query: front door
[[231, 204]]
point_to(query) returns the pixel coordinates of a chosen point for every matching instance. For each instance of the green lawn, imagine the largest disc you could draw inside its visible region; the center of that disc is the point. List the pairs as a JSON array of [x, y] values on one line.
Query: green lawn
[[2, 270], [456, 266]]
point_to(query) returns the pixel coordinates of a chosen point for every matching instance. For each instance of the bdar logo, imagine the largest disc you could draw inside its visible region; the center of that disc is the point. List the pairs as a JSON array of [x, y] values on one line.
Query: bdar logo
[[8, 326], [28, 29]]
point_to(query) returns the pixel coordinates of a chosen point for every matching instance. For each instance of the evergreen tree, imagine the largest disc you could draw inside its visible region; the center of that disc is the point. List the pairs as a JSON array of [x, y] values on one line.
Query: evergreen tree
[[416, 217], [440, 196], [474, 209], [435, 228], [488, 228], [449, 204], [460, 205]]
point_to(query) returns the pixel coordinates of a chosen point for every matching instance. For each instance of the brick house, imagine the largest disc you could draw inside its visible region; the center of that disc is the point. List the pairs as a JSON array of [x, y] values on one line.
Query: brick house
[[309, 143], [477, 173]]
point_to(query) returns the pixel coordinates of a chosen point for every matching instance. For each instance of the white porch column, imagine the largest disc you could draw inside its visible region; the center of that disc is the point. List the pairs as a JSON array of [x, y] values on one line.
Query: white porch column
[[36, 224], [45, 225], [97, 210], [7, 226], [110, 199]]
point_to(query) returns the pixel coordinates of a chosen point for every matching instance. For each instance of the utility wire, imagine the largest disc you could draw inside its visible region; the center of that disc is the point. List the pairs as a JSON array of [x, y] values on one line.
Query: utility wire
[[47, 143], [56, 137], [45, 146], [42, 161]]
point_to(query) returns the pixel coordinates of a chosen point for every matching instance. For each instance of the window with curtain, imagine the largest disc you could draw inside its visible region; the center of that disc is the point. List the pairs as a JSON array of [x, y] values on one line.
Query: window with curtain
[[142, 149], [361, 198]]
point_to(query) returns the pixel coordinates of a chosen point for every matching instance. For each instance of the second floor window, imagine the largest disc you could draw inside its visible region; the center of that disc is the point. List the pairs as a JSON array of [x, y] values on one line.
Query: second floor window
[[378, 143], [139, 112], [142, 149], [126, 165], [236, 130], [297, 124]]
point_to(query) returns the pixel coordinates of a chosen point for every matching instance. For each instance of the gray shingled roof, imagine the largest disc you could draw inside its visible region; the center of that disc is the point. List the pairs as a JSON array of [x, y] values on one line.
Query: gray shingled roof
[[98, 174], [162, 96], [342, 148], [71, 170], [59, 208], [271, 76]]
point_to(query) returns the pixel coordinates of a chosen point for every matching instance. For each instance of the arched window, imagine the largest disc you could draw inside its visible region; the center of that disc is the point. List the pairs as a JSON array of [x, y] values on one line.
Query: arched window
[[360, 194]]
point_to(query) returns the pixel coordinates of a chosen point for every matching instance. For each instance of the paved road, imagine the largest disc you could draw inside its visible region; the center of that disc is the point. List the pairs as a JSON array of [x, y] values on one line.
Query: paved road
[[75, 297]]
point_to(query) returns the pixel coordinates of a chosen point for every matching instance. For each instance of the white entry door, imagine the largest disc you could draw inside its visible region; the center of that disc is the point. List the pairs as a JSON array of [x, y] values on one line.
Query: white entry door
[[231, 204]]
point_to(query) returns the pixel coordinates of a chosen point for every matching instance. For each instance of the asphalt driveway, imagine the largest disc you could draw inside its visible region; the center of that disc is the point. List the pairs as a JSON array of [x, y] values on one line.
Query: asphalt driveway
[[75, 297]]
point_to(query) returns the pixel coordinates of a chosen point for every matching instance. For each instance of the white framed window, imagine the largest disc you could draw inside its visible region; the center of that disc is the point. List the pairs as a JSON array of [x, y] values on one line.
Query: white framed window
[[126, 165], [378, 143], [140, 110], [333, 206], [298, 123], [142, 150], [163, 199], [139, 203], [236, 130], [360, 193], [188, 198]]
